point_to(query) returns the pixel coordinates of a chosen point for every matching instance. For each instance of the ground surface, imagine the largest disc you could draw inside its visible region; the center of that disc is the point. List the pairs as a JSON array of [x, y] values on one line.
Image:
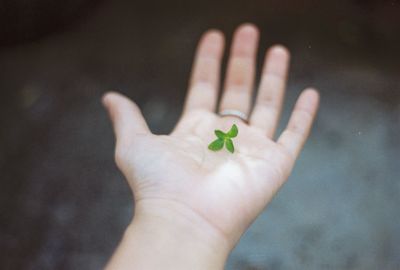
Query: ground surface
[[63, 203]]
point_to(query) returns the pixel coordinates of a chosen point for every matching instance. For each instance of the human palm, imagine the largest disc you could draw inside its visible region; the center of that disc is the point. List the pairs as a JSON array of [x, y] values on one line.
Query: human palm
[[179, 174]]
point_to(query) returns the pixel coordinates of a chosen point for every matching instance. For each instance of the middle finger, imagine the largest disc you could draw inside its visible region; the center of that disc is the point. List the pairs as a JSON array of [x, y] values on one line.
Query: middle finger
[[241, 69]]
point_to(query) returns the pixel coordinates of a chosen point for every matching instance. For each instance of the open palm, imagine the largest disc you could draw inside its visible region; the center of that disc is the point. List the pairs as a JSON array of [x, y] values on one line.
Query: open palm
[[179, 174]]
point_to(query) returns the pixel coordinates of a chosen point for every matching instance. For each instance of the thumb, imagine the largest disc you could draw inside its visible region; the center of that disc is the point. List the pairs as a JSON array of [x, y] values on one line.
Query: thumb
[[126, 117]]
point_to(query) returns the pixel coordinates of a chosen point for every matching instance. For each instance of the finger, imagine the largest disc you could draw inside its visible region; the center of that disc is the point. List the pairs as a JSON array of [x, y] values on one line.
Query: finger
[[300, 122], [126, 117], [204, 82], [271, 92], [241, 69]]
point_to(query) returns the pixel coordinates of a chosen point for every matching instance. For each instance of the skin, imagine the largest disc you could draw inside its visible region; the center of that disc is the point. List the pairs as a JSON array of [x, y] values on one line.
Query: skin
[[191, 204]]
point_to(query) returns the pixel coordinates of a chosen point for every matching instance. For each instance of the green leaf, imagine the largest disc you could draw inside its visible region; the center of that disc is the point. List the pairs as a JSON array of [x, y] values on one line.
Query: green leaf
[[220, 134], [216, 145], [233, 132], [229, 145]]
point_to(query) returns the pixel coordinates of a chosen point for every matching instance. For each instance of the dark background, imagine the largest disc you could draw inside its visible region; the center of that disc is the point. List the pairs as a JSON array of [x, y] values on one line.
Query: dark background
[[63, 203]]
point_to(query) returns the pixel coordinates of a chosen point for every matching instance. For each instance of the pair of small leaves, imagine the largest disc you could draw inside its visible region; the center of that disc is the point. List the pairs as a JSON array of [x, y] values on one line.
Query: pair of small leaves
[[232, 133], [224, 139]]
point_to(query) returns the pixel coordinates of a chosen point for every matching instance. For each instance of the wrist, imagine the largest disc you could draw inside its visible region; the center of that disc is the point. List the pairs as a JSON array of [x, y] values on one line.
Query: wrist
[[170, 237]]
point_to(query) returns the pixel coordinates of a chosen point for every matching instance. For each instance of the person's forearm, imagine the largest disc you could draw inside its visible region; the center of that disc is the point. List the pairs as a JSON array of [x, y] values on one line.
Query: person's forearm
[[162, 241]]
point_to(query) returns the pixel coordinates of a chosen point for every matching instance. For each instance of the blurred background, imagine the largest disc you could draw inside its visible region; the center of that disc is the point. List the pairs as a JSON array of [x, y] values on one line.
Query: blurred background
[[64, 204]]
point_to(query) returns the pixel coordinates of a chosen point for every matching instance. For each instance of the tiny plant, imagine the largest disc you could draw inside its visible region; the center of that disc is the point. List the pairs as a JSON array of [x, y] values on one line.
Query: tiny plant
[[224, 139]]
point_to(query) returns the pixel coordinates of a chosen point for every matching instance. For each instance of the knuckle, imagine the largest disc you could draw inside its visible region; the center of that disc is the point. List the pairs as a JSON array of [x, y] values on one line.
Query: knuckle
[[120, 156], [297, 129], [284, 153]]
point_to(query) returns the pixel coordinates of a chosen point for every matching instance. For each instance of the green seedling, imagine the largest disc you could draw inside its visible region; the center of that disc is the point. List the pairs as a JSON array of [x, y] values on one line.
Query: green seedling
[[224, 139]]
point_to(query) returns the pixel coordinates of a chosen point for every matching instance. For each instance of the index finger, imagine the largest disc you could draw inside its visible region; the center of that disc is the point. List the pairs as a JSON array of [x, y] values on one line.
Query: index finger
[[300, 122]]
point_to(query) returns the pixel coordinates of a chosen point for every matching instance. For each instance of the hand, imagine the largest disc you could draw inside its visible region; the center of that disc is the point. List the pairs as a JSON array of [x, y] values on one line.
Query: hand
[[176, 177]]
